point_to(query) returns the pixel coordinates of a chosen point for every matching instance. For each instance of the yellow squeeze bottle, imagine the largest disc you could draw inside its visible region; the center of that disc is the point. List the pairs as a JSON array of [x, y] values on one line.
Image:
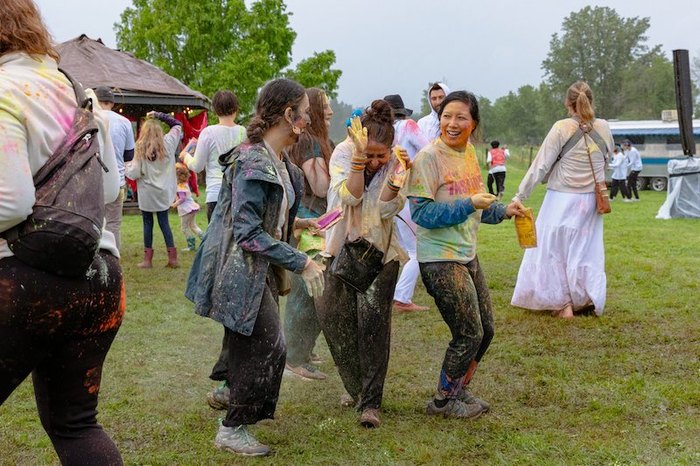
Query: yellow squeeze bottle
[[525, 228]]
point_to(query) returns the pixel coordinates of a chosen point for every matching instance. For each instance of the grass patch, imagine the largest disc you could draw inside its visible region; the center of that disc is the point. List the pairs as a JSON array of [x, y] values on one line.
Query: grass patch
[[620, 389]]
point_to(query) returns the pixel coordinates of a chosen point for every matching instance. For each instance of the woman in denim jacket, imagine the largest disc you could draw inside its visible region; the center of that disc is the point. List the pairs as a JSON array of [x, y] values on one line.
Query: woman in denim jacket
[[239, 271]]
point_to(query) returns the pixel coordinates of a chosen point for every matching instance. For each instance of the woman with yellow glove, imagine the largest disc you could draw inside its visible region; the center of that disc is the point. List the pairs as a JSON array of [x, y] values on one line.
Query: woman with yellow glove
[[366, 177]]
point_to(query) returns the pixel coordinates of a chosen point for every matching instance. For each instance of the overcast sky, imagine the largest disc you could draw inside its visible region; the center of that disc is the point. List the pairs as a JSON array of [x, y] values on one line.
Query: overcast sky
[[391, 46]]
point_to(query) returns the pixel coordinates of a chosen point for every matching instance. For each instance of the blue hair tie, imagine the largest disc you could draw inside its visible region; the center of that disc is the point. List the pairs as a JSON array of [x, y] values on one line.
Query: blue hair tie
[[355, 113]]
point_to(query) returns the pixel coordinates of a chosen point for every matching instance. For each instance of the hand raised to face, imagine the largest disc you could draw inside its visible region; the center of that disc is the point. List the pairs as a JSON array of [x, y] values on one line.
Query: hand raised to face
[[358, 134]]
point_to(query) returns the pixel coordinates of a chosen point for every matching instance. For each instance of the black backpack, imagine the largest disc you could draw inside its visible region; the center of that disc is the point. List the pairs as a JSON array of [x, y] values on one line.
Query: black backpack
[[62, 234]]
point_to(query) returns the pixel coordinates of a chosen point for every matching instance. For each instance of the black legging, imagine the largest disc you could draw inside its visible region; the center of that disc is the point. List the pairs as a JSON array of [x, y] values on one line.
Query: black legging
[[256, 363], [500, 179], [60, 329]]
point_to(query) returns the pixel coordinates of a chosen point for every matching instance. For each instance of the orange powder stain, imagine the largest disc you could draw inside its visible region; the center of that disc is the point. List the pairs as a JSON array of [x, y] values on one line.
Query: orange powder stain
[[92, 380]]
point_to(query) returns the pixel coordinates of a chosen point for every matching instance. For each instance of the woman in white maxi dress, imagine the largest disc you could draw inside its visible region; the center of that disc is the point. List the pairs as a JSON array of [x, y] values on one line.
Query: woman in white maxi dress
[[565, 273]]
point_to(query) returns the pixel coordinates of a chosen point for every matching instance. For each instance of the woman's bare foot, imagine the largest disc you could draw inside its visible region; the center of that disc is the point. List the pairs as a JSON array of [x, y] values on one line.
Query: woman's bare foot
[[567, 312]]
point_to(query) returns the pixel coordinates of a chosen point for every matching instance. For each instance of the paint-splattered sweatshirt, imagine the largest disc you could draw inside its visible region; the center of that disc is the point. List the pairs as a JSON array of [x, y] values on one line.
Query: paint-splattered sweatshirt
[[37, 107], [440, 187]]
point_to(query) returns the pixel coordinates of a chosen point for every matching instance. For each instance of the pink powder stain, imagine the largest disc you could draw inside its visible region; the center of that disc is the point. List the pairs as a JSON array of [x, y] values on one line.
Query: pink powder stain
[[65, 120]]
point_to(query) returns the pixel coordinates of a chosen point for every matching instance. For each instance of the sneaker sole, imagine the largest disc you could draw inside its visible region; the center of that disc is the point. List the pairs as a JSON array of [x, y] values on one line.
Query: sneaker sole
[[215, 404], [231, 450]]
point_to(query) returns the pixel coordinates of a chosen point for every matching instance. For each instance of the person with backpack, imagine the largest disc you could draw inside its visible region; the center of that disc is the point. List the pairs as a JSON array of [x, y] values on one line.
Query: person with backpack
[[57, 321], [153, 169]]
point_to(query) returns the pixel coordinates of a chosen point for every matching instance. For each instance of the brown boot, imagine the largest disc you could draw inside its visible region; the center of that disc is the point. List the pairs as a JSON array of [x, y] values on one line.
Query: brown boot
[[172, 258], [147, 259]]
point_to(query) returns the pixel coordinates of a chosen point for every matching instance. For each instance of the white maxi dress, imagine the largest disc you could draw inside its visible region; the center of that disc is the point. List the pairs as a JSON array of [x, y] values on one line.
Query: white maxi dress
[[568, 264]]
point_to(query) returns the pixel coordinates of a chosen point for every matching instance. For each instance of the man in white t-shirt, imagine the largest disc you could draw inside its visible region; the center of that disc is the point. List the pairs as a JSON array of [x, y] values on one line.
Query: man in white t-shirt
[[122, 133], [212, 142]]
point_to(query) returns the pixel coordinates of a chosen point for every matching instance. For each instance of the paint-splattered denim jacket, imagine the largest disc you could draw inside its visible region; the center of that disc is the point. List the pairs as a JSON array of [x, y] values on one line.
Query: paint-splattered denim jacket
[[227, 279]]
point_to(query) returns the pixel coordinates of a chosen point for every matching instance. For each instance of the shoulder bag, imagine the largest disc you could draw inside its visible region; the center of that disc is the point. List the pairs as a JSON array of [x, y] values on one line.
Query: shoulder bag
[[359, 262], [602, 199]]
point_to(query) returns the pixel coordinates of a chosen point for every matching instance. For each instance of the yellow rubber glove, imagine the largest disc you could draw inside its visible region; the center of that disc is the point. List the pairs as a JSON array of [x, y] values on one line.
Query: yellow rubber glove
[[358, 135]]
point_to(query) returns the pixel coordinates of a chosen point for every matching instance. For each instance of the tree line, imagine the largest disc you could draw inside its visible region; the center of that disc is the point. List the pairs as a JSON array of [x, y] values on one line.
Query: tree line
[[222, 44], [630, 80], [214, 44]]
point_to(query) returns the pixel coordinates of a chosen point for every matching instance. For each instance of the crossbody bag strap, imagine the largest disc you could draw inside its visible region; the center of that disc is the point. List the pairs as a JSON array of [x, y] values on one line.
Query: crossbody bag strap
[[600, 142], [573, 140], [590, 160]]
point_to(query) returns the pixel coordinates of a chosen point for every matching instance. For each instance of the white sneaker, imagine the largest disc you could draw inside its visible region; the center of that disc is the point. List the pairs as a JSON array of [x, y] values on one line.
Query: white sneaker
[[238, 440], [627, 200]]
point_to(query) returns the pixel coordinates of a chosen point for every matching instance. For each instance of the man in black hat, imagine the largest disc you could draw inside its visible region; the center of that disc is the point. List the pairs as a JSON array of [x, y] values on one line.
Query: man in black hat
[[409, 136], [122, 135]]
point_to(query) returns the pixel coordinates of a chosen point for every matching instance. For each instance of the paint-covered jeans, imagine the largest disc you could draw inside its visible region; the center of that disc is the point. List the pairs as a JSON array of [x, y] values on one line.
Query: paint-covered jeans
[[256, 364], [357, 327], [462, 297], [60, 329]]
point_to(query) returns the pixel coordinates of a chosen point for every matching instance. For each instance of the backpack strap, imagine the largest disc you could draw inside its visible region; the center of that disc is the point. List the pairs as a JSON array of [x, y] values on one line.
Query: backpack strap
[[80, 96]]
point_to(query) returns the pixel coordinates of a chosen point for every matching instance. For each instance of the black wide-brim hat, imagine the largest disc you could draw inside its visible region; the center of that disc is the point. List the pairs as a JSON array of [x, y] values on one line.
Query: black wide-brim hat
[[397, 105]]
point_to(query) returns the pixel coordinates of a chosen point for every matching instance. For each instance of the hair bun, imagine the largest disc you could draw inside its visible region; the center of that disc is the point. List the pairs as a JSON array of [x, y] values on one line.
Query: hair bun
[[380, 112]]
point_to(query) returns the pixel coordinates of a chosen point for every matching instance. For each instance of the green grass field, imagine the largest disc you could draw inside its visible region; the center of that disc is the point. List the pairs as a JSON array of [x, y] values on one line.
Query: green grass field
[[620, 389]]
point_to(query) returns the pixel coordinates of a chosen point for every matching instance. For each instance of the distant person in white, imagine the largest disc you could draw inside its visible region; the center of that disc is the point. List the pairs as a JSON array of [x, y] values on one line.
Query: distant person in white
[[619, 165], [430, 124], [122, 134], [635, 163], [214, 141], [409, 136]]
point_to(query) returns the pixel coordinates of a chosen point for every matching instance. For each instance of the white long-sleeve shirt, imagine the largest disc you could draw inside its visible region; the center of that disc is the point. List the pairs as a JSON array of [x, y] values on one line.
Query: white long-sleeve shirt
[[37, 107], [634, 158], [367, 216], [619, 165], [572, 173], [409, 136], [156, 180]]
